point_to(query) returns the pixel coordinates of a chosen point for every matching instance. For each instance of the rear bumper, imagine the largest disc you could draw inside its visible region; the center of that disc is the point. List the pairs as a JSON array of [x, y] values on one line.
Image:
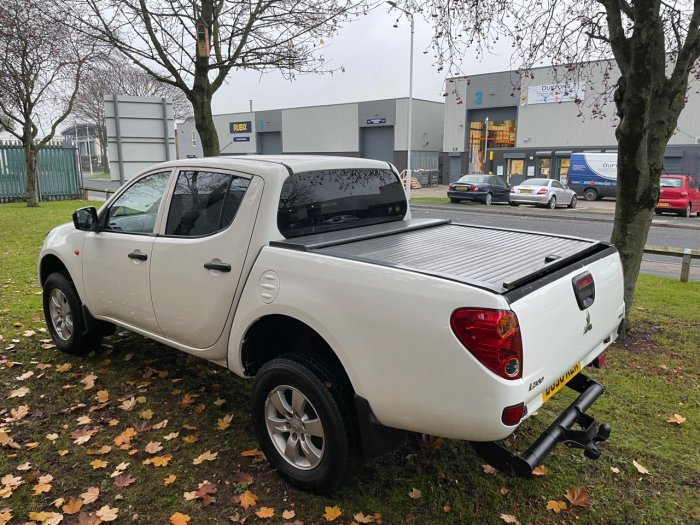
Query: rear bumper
[[560, 431], [524, 198], [674, 205], [479, 196]]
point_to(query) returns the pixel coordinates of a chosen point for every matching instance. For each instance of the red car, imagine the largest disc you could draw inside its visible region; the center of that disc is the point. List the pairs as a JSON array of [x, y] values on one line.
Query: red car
[[679, 194]]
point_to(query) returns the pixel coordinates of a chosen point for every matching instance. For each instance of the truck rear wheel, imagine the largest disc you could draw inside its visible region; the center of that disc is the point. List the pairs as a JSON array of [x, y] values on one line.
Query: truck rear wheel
[[302, 411], [590, 194], [64, 316]]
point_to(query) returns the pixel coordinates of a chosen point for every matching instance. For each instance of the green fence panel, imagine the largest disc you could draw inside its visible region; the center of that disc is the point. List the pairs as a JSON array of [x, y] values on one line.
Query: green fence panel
[[58, 173]]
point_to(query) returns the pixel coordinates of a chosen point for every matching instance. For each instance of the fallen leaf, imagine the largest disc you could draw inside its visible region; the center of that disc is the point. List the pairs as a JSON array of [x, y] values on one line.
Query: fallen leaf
[[509, 518], [243, 478], [128, 404], [179, 519], [578, 497], [64, 367], [556, 506], [107, 514], [640, 469], [20, 412], [58, 502], [219, 401], [146, 414], [105, 449], [361, 518], [265, 512], [84, 420], [415, 493], [206, 456], [73, 506], [332, 513], [248, 499], [90, 495], [25, 376], [171, 436], [102, 396], [46, 518], [98, 463], [676, 419], [540, 470], [251, 453], [19, 392], [159, 461], [488, 469], [160, 425], [41, 487], [615, 470], [224, 422], [11, 481], [82, 436], [24, 466], [431, 442], [190, 439], [52, 437], [125, 437], [88, 381], [153, 447], [124, 481], [503, 491], [288, 514], [170, 479]]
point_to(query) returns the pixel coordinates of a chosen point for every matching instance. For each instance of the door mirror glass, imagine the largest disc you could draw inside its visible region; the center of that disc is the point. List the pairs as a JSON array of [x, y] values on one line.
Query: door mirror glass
[[85, 218]]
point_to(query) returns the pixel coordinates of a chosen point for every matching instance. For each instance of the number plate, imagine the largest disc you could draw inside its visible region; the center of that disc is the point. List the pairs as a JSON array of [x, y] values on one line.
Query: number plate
[[460, 188], [525, 191], [559, 383], [663, 205]]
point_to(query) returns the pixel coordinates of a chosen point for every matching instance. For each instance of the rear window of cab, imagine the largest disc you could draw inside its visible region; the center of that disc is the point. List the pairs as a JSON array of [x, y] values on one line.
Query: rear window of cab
[[328, 200]]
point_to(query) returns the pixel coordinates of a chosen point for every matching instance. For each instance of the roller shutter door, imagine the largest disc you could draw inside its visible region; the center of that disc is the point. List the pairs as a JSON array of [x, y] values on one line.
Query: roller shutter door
[[378, 143]]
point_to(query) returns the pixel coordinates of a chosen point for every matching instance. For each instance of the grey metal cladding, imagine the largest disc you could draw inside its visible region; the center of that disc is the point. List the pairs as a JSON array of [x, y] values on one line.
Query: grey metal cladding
[[486, 257], [493, 90], [268, 121], [377, 109], [494, 114]]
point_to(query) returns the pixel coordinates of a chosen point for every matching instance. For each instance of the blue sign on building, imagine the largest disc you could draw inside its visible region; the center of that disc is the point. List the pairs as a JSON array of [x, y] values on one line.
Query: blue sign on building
[[241, 139], [376, 120]]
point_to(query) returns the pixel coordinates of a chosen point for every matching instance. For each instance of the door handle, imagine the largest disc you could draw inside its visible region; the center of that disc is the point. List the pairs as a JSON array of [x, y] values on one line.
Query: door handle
[[221, 267], [138, 256]]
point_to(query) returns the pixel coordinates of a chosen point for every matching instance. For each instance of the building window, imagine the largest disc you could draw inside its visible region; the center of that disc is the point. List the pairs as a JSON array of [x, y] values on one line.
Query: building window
[[194, 138], [516, 167], [564, 171], [483, 136], [543, 165]]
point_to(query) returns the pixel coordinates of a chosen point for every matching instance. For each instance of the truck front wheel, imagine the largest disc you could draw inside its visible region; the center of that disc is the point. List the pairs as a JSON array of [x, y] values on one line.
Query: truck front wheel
[[64, 316], [303, 417]]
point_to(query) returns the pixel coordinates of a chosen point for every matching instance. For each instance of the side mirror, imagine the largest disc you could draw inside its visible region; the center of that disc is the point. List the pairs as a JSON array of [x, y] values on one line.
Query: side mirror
[[85, 218]]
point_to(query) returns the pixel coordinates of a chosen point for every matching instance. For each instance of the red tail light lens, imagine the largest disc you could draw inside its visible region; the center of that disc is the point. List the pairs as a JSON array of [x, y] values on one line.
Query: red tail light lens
[[474, 188], [493, 337], [511, 416], [450, 186], [542, 191]]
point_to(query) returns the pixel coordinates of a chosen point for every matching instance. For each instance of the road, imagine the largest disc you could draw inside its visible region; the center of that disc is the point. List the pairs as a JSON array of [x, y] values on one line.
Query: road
[[662, 235]]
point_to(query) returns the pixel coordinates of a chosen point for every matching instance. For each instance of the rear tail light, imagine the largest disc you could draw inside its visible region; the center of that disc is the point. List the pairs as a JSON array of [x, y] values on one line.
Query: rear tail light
[[542, 191], [512, 415], [684, 194], [493, 337], [450, 186], [512, 190], [473, 188], [584, 290]]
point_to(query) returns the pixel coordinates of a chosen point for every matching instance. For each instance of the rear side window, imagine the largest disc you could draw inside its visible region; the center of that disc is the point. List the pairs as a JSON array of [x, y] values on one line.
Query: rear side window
[[671, 182], [327, 200], [204, 203]]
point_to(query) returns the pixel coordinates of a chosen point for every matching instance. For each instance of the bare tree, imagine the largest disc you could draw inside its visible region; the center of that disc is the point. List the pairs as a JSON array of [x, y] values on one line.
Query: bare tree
[[194, 44], [655, 45], [114, 76], [40, 71]]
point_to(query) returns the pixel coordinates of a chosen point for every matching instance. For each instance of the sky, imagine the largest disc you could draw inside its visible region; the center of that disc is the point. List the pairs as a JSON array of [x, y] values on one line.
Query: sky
[[375, 56]]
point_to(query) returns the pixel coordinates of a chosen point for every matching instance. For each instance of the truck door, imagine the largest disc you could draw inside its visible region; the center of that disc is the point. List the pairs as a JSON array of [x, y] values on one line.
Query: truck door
[[117, 257], [198, 259]]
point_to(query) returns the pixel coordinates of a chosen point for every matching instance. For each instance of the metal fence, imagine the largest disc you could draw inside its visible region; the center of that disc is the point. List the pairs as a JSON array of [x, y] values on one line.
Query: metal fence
[[59, 176]]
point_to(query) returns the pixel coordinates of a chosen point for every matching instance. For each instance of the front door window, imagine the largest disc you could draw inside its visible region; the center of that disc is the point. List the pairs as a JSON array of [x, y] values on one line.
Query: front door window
[[543, 165]]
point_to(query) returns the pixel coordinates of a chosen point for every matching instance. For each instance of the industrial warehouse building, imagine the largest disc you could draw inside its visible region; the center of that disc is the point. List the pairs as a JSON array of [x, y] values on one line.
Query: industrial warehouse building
[[528, 125], [374, 129]]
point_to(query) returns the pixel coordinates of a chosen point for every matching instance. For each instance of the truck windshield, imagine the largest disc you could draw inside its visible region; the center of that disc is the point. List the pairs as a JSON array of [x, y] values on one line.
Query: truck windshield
[[327, 200]]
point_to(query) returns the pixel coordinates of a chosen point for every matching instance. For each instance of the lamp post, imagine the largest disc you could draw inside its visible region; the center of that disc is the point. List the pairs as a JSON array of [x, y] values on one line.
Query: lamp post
[[410, 102]]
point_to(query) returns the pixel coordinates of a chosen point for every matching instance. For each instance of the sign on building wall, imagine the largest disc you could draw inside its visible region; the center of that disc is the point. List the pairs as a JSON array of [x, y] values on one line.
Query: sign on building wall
[[555, 93], [241, 127]]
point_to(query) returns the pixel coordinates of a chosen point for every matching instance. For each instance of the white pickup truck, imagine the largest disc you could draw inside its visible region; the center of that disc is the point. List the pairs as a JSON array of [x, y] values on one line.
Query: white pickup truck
[[357, 322]]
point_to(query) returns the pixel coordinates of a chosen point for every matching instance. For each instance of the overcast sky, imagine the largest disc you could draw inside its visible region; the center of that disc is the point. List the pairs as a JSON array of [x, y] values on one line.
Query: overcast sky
[[376, 60]]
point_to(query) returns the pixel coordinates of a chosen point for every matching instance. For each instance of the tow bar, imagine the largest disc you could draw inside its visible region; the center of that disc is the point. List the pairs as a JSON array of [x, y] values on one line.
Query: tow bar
[[560, 431]]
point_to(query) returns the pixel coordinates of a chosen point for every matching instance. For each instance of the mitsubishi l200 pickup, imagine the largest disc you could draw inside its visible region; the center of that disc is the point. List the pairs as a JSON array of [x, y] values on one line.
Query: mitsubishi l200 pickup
[[355, 321]]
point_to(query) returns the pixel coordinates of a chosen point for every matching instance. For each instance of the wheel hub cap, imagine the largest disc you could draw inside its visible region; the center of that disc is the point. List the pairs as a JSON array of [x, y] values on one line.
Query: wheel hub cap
[[294, 427], [61, 315]]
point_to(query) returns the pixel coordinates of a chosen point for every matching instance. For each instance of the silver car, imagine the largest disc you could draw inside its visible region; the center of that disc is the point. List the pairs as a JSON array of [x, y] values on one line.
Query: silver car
[[542, 192]]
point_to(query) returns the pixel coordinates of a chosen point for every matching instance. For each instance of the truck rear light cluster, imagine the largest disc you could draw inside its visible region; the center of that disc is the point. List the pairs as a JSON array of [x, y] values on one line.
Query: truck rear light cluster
[[493, 337]]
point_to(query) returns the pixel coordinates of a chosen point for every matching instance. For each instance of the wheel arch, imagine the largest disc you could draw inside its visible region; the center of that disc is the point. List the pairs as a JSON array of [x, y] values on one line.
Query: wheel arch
[[51, 264], [276, 334]]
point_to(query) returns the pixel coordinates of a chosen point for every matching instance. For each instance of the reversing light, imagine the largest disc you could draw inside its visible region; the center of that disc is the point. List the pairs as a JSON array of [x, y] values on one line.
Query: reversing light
[[493, 337]]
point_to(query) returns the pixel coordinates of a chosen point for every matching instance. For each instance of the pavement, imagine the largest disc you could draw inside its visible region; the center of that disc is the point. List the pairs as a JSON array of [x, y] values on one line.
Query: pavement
[[600, 211]]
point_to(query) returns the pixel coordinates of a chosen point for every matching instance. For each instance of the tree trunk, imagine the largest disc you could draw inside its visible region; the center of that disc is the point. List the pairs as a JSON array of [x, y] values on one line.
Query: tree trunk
[[32, 176], [204, 122]]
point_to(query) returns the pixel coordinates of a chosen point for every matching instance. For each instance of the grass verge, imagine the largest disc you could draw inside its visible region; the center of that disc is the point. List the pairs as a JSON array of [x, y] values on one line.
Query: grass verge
[[64, 429]]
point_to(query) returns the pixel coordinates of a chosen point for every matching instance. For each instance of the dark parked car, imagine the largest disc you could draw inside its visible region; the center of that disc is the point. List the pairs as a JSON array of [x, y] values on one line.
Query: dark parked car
[[678, 194], [479, 187]]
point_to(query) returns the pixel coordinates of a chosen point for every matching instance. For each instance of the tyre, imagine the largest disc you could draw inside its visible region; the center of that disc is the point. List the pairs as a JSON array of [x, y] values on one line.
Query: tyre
[[488, 199], [303, 416], [687, 212], [590, 194], [552, 203], [454, 201], [64, 316], [574, 201]]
